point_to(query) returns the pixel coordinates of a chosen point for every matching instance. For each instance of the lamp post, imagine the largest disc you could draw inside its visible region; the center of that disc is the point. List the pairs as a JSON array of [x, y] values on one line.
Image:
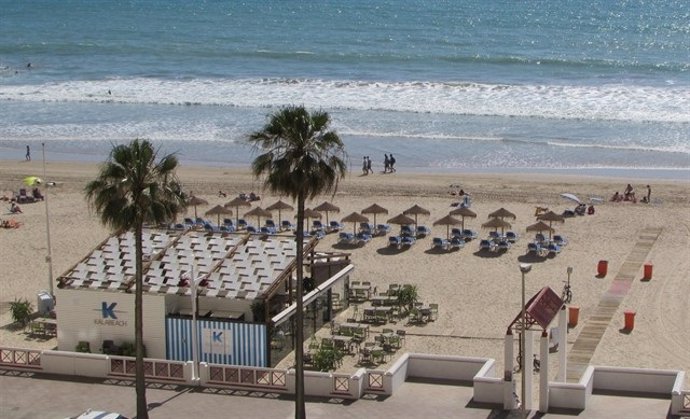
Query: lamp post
[[569, 270], [49, 257], [193, 283], [524, 268]]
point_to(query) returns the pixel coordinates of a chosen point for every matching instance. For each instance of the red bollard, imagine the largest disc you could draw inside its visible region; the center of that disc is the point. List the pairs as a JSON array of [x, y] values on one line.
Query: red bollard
[[648, 267], [573, 316], [602, 268], [629, 320]]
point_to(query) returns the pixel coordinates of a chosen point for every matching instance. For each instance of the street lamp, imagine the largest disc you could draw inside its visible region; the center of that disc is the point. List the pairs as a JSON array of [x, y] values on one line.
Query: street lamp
[[49, 257], [524, 268], [193, 283]]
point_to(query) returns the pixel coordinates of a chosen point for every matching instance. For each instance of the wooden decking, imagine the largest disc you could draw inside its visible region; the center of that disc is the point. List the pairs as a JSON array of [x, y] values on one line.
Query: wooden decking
[[593, 330]]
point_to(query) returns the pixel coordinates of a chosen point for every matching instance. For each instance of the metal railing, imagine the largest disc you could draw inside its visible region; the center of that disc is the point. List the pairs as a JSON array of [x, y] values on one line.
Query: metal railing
[[156, 370], [232, 375], [20, 358]]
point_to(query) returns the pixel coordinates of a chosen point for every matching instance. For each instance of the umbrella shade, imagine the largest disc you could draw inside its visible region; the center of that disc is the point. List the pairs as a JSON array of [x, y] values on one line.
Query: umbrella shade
[[327, 207], [464, 212], [571, 197], [309, 214], [355, 218], [375, 209], [32, 180], [194, 201], [502, 213], [448, 221], [279, 206], [237, 203], [258, 212], [219, 210], [496, 223], [551, 217], [401, 219], [416, 210], [539, 227]]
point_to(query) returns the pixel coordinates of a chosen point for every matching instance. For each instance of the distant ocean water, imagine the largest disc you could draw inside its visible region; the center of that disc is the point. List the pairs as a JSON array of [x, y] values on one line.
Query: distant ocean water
[[595, 87]]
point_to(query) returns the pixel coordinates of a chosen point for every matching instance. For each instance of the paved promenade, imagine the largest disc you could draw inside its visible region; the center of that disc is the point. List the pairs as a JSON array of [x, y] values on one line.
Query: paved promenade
[[28, 396]]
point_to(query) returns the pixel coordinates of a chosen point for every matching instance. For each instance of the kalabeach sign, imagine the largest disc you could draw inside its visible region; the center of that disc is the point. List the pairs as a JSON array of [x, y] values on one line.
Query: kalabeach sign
[[109, 315]]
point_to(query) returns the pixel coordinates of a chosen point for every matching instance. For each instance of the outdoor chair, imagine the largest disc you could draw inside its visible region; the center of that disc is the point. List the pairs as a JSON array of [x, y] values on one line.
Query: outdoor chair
[[534, 247], [382, 229], [512, 236], [457, 242], [560, 240], [406, 230], [316, 225], [487, 245], [346, 238], [468, 234], [440, 243], [335, 226], [287, 225], [251, 229], [434, 312], [394, 241], [109, 348], [503, 245], [456, 232], [407, 241], [423, 231]]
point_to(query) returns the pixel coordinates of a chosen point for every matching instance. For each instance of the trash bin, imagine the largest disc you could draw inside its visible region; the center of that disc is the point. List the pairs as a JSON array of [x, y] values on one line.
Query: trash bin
[[45, 303], [602, 267], [573, 315], [647, 271], [629, 320]]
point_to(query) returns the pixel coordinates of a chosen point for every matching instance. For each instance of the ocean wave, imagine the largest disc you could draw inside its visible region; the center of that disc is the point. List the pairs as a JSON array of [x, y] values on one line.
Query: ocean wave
[[601, 102]]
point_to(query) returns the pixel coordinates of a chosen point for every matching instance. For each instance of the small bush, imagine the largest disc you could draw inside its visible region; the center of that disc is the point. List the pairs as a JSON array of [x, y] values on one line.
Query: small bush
[[327, 359], [21, 311], [83, 346]]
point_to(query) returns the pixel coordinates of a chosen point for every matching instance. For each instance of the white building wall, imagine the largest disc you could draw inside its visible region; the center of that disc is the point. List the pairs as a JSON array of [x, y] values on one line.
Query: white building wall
[[87, 315]]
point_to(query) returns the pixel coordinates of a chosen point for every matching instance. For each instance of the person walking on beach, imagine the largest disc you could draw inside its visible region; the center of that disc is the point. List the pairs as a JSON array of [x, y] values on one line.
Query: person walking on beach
[[369, 169], [391, 164], [365, 170], [28, 153], [386, 163]]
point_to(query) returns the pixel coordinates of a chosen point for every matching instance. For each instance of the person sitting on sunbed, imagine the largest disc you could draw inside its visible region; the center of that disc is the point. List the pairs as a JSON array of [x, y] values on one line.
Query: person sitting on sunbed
[[37, 194], [616, 197]]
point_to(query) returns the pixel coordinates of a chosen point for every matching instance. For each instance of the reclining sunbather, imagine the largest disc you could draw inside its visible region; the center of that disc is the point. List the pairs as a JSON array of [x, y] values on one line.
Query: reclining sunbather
[[15, 209]]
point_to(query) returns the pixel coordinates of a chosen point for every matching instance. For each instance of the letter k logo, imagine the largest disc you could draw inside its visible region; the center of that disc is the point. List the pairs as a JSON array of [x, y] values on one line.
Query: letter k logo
[[108, 310], [217, 337]]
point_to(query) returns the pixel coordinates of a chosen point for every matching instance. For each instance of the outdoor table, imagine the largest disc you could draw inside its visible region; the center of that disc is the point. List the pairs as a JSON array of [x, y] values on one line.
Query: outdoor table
[[355, 327], [344, 342], [383, 300]]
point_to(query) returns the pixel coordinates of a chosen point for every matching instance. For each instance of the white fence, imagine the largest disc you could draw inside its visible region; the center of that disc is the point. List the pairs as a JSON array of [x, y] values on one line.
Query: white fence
[[479, 371]]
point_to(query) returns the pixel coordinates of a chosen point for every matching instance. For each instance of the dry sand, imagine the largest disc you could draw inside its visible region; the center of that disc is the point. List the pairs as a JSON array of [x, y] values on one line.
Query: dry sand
[[478, 295]]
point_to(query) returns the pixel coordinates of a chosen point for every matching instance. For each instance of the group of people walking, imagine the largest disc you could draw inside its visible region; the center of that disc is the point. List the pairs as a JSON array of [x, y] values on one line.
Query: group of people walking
[[388, 164]]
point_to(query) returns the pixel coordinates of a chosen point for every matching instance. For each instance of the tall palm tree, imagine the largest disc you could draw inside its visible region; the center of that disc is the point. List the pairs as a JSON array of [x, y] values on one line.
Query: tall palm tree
[[300, 157], [132, 188]]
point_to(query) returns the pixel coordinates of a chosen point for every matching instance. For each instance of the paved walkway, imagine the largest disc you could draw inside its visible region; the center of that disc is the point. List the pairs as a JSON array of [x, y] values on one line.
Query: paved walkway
[[595, 326]]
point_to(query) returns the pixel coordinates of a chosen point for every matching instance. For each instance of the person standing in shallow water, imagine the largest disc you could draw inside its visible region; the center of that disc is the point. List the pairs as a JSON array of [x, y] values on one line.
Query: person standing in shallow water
[[386, 163], [369, 169], [28, 153], [391, 164]]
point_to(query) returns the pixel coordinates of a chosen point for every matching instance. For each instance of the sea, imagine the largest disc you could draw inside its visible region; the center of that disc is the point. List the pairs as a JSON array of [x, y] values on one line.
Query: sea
[[590, 87]]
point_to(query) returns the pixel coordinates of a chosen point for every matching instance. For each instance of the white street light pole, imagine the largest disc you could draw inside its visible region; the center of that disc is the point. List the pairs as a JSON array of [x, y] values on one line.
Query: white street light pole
[[524, 268], [195, 357], [49, 257]]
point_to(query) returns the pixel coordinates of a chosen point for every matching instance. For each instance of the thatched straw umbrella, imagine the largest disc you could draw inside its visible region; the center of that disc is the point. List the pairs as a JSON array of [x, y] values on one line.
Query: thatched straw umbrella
[[355, 218], [464, 212], [327, 207], [502, 213], [194, 201], [551, 217], [416, 210], [237, 203], [497, 223], [219, 210], [448, 221], [258, 212], [374, 209], [279, 206]]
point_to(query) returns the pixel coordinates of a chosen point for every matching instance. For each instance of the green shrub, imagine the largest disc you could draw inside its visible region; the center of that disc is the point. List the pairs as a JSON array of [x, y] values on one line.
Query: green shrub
[[83, 346], [327, 359], [129, 349], [21, 311]]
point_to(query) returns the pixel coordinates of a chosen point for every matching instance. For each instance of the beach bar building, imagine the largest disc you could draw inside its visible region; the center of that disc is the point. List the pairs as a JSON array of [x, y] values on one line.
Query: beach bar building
[[243, 281]]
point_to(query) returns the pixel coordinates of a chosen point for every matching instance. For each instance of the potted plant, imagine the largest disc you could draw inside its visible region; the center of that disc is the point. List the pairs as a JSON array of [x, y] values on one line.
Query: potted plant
[[21, 311]]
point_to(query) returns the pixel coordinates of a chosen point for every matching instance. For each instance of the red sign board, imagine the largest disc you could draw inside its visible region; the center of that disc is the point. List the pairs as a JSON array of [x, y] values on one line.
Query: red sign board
[[544, 307]]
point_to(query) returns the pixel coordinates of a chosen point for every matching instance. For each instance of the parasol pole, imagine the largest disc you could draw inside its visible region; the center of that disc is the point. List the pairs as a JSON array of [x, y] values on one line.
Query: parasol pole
[[49, 258]]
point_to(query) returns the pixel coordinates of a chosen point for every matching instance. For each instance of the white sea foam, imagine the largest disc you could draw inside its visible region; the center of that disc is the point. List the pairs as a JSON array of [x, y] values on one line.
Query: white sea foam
[[603, 102]]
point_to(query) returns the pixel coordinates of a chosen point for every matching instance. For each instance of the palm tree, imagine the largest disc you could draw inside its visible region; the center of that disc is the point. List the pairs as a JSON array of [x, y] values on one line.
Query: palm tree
[[300, 157], [130, 190]]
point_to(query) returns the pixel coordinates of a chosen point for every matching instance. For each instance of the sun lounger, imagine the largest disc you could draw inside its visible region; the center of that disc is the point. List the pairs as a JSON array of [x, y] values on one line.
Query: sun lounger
[[553, 249], [268, 230], [241, 223], [211, 228], [406, 231], [440, 243], [394, 241], [457, 242], [423, 231], [503, 245], [487, 245], [456, 232], [539, 238], [366, 228], [383, 229], [363, 238], [335, 226], [512, 236], [468, 234], [560, 240], [251, 229], [407, 240], [346, 238], [534, 247], [189, 222], [287, 225]]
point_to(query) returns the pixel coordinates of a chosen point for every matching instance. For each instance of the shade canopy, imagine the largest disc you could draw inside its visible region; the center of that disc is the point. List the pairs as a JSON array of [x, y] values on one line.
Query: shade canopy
[[237, 203], [502, 213], [571, 197], [355, 218], [448, 221], [327, 207], [463, 212], [308, 215], [496, 223], [194, 201], [279, 206], [539, 227], [258, 212], [416, 210], [374, 209], [401, 219], [551, 217], [219, 210]]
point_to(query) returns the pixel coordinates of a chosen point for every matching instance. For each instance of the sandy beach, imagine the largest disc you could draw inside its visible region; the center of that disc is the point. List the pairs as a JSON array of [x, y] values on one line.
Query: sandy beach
[[478, 295]]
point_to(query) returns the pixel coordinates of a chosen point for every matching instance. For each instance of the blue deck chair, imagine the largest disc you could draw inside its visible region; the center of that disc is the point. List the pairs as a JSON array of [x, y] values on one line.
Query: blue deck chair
[[316, 225], [456, 232], [512, 236], [346, 238], [503, 245], [211, 228], [407, 240], [553, 249], [251, 229], [189, 222], [267, 230], [363, 237], [423, 231], [560, 240], [487, 245], [287, 225], [457, 242], [319, 234], [394, 241], [468, 234], [366, 228], [534, 247], [383, 229], [335, 225], [406, 231], [440, 243], [241, 223]]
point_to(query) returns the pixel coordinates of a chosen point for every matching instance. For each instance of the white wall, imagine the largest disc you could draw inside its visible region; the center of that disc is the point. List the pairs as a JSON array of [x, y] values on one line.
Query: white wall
[[635, 379], [80, 318]]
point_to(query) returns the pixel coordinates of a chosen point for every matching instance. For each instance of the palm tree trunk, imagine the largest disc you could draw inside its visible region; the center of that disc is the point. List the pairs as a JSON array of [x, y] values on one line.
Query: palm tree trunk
[[140, 384], [300, 410]]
